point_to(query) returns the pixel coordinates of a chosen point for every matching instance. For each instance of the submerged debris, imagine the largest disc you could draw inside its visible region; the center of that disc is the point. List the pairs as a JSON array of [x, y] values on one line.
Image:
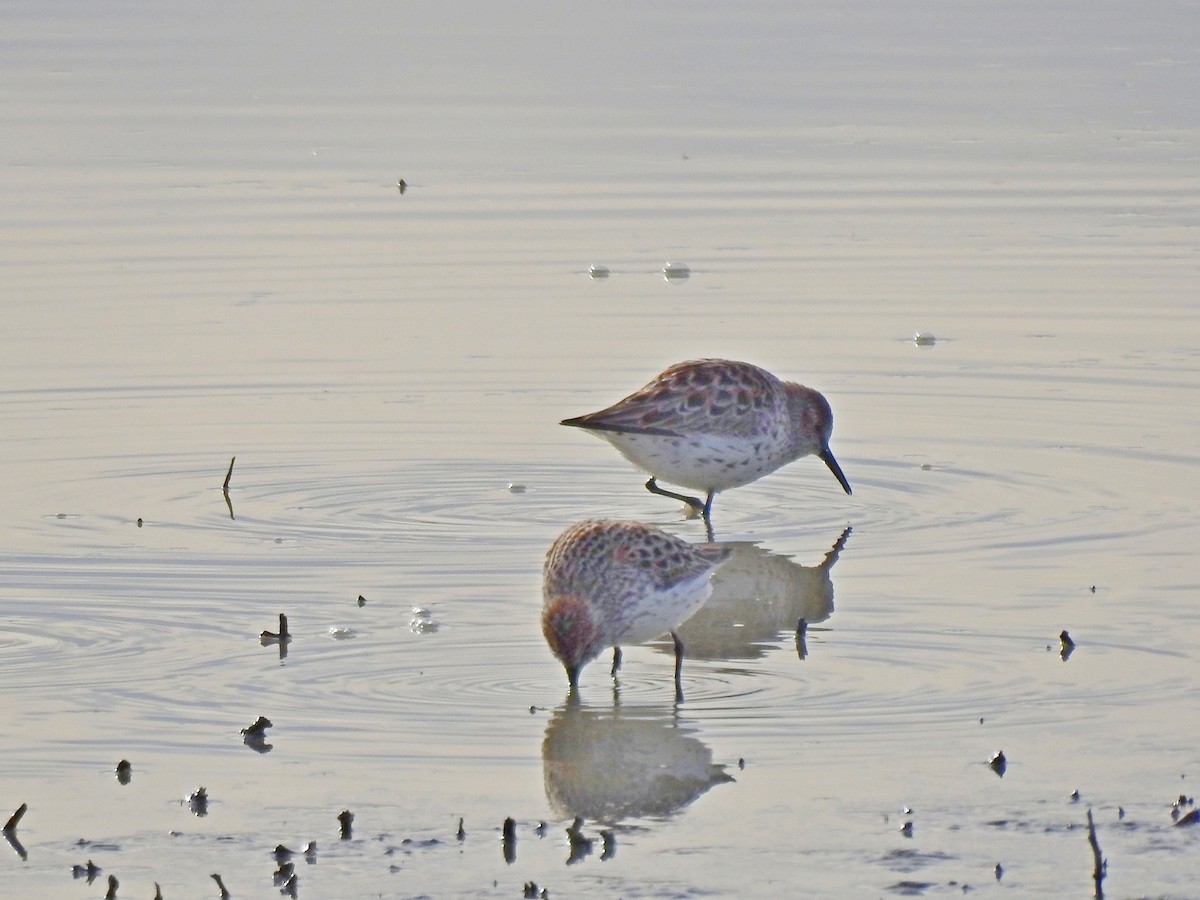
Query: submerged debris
[[1178, 806], [508, 838], [1100, 864], [1068, 646], [286, 871], [270, 637], [1189, 818], [255, 736], [608, 846], [258, 729], [999, 763], [91, 871], [346, 823], [198, 801], [580, 846], [225, 895]]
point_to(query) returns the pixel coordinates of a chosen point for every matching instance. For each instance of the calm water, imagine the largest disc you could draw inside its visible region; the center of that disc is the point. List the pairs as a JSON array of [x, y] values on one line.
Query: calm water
[[205, 254]]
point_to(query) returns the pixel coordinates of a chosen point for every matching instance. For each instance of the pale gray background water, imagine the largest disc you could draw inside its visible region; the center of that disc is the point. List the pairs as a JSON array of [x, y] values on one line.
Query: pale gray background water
[[204, 253]]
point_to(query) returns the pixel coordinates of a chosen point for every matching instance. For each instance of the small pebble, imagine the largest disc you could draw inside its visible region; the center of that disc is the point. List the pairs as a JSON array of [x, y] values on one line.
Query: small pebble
[[258, 729], [515, 488], [924, 339], [676, 271], [999, 763], [598, 271], [198, 801]]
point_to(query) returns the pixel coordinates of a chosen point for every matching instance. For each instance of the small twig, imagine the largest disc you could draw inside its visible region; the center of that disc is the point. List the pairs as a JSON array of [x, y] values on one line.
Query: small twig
[[225, 487], [508, 840], [11, 825], [1100, 866]]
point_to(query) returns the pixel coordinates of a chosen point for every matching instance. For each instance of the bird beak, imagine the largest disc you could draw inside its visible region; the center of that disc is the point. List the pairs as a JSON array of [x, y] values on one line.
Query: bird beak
[[826, 456]]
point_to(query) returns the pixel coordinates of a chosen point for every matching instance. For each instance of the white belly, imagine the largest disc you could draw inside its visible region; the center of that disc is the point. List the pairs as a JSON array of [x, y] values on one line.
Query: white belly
[[703, 463]]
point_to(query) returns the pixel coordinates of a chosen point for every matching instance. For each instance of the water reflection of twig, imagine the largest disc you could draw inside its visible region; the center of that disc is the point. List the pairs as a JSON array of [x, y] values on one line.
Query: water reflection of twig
[[16, 844], [612, 764]]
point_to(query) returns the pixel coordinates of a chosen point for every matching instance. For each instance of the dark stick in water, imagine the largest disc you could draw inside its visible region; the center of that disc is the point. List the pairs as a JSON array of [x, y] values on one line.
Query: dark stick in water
[[1101, 865]]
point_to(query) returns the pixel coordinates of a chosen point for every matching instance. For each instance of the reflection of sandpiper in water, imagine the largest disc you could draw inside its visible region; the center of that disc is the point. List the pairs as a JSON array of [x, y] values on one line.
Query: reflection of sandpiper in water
[[757, 596], [612, 764]]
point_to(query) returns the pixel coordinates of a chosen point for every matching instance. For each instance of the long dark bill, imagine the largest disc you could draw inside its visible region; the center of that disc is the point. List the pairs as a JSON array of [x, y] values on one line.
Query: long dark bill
[[827, 457]]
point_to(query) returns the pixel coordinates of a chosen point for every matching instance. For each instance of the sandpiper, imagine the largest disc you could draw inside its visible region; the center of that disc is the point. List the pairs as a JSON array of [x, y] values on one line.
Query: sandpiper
[[609, 583], [713, 424]]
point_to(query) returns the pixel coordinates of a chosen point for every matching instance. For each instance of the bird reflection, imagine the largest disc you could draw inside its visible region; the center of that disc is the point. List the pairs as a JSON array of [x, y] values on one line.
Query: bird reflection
[[758, 596], [617, 763]]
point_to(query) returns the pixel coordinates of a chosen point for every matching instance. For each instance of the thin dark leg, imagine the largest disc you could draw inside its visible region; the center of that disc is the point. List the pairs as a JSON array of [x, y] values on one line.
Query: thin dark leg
[[616, 661], [678, 667], [572, 685], [694, 502]]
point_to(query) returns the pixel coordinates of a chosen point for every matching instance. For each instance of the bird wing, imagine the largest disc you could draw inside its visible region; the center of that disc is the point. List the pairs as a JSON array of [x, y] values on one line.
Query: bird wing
[[703, 396]]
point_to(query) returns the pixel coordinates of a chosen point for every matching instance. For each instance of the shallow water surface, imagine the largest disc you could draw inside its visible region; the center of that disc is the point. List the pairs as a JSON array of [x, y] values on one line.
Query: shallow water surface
[[205, 255]]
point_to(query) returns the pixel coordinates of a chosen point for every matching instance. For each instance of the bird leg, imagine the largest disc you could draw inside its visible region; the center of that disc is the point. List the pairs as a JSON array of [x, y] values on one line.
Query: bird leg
[[694, 502], [616, 661], [678, 667]]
